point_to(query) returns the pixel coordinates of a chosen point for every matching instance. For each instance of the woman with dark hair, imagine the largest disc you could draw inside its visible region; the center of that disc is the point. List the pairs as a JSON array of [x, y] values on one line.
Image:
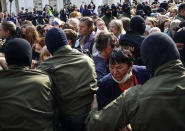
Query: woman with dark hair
[[123, 75], [105, 43]]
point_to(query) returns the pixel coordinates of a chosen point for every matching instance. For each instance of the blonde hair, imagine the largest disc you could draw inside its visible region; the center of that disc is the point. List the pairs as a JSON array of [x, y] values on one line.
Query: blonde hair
[[152, 20], [75, 14], [119, 26]]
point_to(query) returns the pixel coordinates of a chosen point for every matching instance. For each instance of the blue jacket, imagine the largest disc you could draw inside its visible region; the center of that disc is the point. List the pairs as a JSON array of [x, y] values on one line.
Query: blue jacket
[[109, 89], [101, 66]]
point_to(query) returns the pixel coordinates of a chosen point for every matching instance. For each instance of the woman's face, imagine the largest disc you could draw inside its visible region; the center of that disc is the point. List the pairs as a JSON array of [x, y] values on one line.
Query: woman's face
[[100, 25], [37, 48], [113, 29], [173, 13], [45, 57], [147, 22], [166, 25], [118, 71]]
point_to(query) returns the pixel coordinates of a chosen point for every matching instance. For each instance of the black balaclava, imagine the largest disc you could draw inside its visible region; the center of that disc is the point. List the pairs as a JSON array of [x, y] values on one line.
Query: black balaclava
[[108, 14], [18, 52], [126, 8], [157, 49], [140, 7], [55, 38], [179, 37], [147, 9], [137, 24], [114, 10]]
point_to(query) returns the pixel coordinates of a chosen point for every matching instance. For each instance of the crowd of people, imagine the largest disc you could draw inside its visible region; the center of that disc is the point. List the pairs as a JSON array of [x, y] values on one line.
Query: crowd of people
[[120, 69]]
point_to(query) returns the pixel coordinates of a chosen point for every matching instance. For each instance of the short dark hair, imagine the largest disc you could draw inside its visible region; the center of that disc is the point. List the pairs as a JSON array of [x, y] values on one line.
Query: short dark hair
[[104, 38], [126, 23], [181, 7], [120, 55]]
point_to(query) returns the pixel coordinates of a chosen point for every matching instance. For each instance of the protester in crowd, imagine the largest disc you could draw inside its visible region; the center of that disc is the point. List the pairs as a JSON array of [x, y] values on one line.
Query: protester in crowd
[[150, 23], [55, 13], [164, 26], [44, 54], [67, 26], [46, 28], [100, 25], [123, 75], [174, 26], [105, 43], [72, 36], [154, 29], [74, 22], [125, 11], [86, 11], [32, 35], [75, 14], [63, 15], [153, 105], [71, 71], [126, 23], [116, 27], [108, 16], [25, 94], [181, 12], [86, 40], [173, 12], [179, 39], [8, 31], [132, 39]]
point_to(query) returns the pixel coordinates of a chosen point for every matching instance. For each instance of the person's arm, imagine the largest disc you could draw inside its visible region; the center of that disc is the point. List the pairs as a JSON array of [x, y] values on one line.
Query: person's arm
[[3, 63], [112, 117]]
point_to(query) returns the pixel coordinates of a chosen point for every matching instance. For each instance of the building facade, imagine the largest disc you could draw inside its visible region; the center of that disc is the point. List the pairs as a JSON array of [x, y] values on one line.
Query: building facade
[[17, 5]]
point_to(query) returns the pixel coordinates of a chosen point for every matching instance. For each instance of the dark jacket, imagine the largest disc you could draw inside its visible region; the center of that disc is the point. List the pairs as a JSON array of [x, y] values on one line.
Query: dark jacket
[[2, 46], [26, 100], [158, 105], [109, 89], [101, 66], [86, 12], [88, 43], [132, 41], [74, 79]]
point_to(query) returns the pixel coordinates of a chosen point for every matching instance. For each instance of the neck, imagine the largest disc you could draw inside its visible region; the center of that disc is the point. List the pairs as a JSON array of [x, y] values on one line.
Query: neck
[[129, 83], [103, 53]]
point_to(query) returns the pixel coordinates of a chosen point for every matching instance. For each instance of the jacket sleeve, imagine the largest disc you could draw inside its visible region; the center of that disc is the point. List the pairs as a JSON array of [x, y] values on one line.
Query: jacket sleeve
[[111, 118], [102, 96]]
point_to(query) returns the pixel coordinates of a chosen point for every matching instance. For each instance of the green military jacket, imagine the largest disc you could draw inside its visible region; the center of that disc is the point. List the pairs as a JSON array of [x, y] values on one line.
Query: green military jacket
[[158, 105], [107, 20], [124, 15], [74, 78], [25, 100], [181, 18]]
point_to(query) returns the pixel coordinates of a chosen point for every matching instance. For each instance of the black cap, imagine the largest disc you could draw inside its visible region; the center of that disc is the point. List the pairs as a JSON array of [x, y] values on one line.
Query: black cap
[[158, 49], [18, 51]]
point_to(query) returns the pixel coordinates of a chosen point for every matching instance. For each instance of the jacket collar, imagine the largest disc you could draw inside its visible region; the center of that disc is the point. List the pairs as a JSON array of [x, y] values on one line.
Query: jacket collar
[[181, 16], [63, 49], [16, 67], [174, 66]]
